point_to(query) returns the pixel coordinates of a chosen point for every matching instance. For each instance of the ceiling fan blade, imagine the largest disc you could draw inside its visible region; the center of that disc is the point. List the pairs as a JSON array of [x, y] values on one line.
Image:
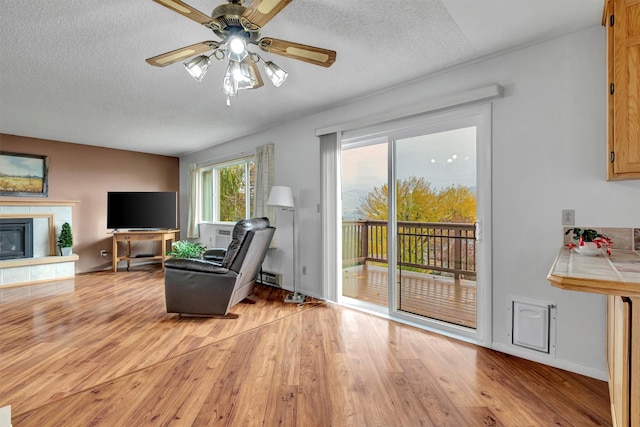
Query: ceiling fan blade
[[259, 12], [182, 53], [185, 10], [302, 52]]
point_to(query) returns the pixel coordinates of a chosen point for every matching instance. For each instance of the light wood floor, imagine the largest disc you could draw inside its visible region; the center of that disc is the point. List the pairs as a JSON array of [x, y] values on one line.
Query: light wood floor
[[102, 351], [436, 297]]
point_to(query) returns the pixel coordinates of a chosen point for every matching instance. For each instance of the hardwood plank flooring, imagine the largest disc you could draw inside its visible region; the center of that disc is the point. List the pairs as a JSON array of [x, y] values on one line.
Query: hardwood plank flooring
[[104, 352]]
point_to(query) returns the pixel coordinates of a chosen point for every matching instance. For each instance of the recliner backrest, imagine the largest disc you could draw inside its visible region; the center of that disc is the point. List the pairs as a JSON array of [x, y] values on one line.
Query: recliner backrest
[[236, 250]]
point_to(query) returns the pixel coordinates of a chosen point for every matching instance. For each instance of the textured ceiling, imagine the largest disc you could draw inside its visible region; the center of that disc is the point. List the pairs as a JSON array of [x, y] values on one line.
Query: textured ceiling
[[74, 71]]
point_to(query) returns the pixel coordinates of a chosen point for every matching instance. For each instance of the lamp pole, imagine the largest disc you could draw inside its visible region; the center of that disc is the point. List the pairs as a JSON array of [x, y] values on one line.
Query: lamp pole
[[282, 196], [296, 297]]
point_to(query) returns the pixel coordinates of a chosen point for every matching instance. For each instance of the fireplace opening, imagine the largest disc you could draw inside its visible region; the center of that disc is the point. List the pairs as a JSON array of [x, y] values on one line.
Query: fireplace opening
[[16, 238]]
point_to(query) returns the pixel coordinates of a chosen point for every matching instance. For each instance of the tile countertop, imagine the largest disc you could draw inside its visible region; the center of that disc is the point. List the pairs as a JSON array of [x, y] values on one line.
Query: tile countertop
[[617, 274]]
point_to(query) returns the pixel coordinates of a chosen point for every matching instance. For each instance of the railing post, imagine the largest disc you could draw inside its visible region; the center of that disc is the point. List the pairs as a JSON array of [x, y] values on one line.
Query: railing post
[[457, 249], [364, 242]]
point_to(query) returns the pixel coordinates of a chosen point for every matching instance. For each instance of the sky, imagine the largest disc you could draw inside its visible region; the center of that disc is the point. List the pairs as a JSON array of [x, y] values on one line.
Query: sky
[[443, 159], [20, 166]]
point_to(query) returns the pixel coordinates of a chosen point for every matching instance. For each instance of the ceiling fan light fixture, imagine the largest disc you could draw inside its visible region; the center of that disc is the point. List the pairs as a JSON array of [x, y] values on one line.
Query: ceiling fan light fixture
[[244, 76], [229, 83], [236, 48], [198, 66], [276, 74]]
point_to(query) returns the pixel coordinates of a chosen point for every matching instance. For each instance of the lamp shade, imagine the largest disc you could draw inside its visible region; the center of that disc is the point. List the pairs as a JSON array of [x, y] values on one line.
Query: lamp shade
[[280, 196]]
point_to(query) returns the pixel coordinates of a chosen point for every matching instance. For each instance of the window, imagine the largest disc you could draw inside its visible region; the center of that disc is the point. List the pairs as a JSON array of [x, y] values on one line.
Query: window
[[227, 191]]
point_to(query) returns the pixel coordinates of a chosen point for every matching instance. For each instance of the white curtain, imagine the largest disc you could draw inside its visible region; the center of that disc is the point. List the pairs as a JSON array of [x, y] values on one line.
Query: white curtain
[[193, 232], [265, 177]]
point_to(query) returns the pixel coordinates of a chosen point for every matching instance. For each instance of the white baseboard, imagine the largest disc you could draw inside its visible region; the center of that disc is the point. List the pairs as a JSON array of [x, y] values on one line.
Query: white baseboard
[[534, 356], [550, 361]]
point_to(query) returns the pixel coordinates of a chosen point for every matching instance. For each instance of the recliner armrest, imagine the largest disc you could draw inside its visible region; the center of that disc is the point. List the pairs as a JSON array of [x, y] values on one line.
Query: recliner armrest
[[192, 264], [215, 254]]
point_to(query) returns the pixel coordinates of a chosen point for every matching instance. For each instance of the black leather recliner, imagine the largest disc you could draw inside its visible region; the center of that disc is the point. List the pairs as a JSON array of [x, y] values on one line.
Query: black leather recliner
[[204, 287]]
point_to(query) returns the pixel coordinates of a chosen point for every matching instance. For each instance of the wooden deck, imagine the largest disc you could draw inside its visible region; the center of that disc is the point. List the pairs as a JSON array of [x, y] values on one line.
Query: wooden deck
[[436, 297]]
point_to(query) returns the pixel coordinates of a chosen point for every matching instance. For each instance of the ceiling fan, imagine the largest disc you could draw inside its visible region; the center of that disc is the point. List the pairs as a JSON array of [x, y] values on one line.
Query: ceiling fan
[[238, 27]]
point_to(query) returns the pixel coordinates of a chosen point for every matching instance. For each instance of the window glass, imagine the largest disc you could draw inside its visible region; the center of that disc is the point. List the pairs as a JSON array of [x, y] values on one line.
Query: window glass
[[227, 191]]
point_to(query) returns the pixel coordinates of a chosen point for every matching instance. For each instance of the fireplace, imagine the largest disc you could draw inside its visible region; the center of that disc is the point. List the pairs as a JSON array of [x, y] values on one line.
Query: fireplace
[[16, 238]]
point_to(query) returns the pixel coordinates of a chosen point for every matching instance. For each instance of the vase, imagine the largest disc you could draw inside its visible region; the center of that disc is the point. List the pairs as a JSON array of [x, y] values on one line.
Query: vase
[[65, 251], [588, 249]]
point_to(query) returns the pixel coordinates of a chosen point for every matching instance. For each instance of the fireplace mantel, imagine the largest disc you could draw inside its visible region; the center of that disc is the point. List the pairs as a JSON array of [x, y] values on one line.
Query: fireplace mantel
[[36, 202]]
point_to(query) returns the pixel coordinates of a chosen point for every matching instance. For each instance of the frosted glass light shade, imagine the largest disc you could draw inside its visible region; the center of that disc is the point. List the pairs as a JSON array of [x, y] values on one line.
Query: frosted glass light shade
[[276, 74], [229, 83], [236, 49], [198, 66]]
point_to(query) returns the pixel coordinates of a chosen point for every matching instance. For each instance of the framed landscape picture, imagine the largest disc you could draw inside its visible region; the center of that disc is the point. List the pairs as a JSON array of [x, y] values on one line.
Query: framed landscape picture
[[23, 174]]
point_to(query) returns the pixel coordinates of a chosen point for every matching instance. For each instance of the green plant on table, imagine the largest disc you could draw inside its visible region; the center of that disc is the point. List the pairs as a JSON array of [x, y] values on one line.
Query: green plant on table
[[187, 249]]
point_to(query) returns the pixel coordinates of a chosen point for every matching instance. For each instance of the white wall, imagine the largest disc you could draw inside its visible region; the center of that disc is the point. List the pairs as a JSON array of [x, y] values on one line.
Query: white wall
[[548, 155]]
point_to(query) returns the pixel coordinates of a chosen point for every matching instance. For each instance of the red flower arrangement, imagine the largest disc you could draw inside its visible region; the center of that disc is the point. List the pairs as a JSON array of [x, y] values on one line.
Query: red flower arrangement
[[583, 235]]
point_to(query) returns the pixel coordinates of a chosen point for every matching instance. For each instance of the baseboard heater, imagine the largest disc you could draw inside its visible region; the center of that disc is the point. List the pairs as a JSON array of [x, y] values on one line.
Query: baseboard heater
[[272, 279]]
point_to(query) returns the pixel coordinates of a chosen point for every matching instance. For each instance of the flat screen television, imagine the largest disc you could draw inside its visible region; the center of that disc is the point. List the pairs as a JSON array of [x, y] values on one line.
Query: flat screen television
[[157, 210]]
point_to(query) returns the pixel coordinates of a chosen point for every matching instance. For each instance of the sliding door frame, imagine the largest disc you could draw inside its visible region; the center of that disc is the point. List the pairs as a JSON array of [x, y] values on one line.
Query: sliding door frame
[[476, 115]]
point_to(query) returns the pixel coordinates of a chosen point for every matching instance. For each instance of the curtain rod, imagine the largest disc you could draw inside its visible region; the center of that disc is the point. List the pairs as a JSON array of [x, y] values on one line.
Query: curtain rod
[[227, 158]]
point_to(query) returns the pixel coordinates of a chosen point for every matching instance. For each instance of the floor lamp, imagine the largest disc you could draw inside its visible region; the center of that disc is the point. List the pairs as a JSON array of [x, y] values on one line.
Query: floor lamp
[[282, 197]]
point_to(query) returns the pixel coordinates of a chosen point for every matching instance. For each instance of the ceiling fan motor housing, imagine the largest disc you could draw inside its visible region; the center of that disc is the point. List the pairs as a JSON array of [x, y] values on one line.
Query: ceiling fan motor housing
[[227, 18]]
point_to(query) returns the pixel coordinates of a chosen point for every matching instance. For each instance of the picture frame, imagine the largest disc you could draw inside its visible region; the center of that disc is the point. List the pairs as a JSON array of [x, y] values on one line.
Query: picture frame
[[24, 174]]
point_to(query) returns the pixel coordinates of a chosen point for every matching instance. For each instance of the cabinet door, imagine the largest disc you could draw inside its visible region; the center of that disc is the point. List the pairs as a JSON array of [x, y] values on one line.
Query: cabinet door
[[618, 352], [623, 34]]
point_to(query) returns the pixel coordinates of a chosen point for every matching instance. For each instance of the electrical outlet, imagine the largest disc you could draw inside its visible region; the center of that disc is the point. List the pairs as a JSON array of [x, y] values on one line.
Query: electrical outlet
[[304, 269], [568, 217]]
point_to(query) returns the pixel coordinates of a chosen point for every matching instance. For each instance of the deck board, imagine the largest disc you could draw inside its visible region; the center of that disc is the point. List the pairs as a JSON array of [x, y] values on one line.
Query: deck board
[[436, 297]]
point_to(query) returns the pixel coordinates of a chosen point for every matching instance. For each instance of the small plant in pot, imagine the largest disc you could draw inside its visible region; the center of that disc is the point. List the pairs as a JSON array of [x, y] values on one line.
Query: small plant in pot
[[65, 239], [187, 249], [590, 242]]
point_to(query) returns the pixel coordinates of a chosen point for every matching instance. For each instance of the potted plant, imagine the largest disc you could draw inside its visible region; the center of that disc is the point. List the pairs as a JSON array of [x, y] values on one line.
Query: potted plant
[[65, 240], [186, 249], [590, 242]]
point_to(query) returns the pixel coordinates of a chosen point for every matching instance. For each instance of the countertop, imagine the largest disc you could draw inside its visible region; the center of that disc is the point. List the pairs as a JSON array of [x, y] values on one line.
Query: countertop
[[616, 274]]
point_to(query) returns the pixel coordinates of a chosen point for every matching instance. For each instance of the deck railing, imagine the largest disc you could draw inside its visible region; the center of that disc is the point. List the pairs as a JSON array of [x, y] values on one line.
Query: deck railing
[[422, 246]]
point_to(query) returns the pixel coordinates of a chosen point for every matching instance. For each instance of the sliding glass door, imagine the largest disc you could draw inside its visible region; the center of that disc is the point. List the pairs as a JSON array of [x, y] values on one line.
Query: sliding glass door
[[436, 186], [415, 199], [365, 222]]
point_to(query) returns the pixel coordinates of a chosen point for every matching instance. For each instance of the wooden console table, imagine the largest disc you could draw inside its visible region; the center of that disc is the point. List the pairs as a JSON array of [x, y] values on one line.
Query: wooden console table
[[165, 236]]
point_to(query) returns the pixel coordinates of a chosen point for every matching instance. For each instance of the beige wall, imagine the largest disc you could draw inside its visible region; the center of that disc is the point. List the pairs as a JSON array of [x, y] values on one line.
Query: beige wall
[[86, 173]]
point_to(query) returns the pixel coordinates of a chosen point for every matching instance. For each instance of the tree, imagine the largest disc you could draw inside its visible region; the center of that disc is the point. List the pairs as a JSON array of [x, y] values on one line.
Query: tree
[[456, 203], [418, 202], [232, 193]]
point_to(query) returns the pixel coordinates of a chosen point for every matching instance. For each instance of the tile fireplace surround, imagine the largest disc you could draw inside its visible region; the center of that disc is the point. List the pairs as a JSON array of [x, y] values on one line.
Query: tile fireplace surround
[[45, 265]]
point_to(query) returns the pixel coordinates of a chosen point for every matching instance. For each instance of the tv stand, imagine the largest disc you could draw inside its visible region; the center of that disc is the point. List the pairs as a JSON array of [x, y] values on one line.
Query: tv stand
[[164, 236]]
